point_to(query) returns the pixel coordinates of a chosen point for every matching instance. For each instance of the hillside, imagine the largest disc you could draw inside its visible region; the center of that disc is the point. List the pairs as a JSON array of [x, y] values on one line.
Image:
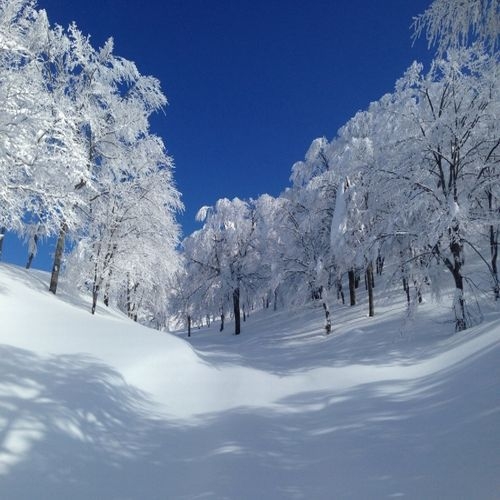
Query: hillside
[[101, 408]]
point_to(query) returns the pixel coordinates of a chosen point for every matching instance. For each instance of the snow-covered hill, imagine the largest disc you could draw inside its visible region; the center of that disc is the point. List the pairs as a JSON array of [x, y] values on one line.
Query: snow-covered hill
[[101, 408]]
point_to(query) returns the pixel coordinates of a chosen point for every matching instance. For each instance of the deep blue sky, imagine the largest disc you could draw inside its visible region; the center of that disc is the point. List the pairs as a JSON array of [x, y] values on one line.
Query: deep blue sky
[[250, 82]]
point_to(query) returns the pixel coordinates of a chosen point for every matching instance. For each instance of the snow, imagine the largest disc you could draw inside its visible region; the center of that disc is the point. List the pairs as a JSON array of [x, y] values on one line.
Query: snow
[[97, 407]]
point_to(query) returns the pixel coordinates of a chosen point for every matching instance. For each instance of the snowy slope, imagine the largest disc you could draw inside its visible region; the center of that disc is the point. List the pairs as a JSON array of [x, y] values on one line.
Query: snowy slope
[[101, 408]]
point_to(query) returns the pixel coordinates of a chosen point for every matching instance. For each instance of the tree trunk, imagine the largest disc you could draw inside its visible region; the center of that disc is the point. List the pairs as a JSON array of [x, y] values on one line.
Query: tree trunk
[[2, 237], [54, 278], [107, 265], [352, 287], [189, 325], [96, 288], [494, 249], [328, 321], [406, 288], [459, 302], [95, 295], [457, 249], [419, 291], [132, 307], [31, 255], [357, 279], [236, 309], [106, 296], [494, 257], [380, 264], [340, 291], [275, 302], [106, 289], [221, 322], [129, 298], [369, 283], [455, 269]]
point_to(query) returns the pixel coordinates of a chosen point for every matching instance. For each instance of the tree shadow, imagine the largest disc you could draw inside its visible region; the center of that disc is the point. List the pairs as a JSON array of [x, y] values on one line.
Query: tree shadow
[[71, 427], [430, 437], [68, 421]]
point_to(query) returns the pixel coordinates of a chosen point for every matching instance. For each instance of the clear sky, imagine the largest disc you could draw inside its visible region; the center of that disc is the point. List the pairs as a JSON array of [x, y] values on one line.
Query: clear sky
[[250, 83]]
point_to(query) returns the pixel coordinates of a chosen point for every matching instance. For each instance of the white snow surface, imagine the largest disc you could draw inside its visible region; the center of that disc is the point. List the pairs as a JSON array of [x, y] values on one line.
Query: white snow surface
[[97, 407]]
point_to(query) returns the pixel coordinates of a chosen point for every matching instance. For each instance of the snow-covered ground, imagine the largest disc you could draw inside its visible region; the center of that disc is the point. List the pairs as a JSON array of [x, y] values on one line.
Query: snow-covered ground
[[101, 408]]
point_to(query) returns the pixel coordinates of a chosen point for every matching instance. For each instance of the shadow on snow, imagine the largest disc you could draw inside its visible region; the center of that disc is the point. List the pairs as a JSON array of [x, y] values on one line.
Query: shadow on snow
[[71, 427]]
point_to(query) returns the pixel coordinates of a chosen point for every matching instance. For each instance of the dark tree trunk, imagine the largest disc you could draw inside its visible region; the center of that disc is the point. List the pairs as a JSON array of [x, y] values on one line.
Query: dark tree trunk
[[2, 237], [494, 259], [460, 321], [236, 309], [189, 325], [95, 295], [419, 296], [380, 264], [328, 321], [455, 268], [352, 287], [132, 307], [419, 291], [106, 289], [406, 289], [129, 299], [96, 287], [340, 291], [494, 249], [31, 255], [357, 279], [106, 292], [221, 322], [107, 261], [369, 282], [54, 278], [265, 302]]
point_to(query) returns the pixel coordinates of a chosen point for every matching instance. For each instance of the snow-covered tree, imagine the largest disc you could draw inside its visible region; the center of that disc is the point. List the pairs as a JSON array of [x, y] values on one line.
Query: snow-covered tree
[[41, 154], [451, 24], [303, 215], [224, 255], [131, 228], [437, 164], [77, 159]]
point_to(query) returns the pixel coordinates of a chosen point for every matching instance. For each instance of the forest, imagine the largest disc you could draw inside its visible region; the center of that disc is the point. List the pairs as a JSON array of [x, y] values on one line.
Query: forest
[[408, 187]]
